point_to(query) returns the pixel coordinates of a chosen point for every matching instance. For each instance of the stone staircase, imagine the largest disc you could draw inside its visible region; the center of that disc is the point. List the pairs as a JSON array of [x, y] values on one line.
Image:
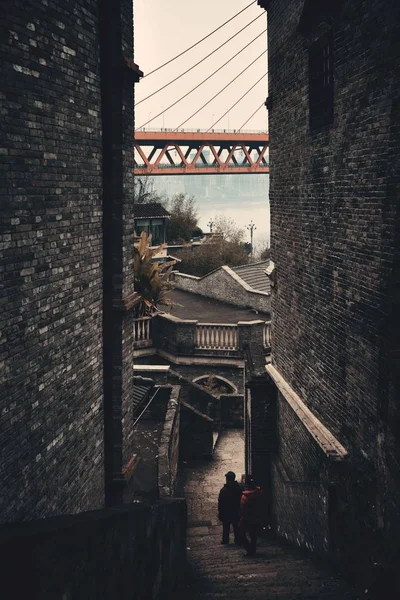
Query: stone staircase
[[279, 571]]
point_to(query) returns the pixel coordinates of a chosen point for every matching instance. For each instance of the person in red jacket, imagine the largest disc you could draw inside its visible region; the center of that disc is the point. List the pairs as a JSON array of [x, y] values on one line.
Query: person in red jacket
[[251, 509], [228, 507]]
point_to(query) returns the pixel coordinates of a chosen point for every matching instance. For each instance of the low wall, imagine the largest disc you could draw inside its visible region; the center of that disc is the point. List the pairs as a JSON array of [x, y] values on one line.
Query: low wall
[[199, 398], [223, 285], [174, 335], [232, 410], [134, 551], [196, 434], [168, 454]]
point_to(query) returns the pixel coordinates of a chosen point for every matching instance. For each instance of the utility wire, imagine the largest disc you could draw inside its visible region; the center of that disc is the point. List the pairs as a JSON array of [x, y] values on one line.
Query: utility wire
[[198, 63], [201, 83], [256, 111], [237, 102], [204, 80], [202, 40], [220, 92]]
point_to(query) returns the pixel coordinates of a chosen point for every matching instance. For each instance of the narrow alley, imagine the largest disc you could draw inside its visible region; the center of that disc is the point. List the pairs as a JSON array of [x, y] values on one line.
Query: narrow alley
[[219, 571]]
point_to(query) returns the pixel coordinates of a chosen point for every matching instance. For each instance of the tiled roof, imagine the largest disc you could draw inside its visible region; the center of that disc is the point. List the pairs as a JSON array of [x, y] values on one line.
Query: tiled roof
[[255, 276], [155, 210]]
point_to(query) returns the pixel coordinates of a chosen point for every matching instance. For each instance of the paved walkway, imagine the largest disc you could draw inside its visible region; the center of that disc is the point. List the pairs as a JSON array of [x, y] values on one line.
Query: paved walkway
[[217, 572]]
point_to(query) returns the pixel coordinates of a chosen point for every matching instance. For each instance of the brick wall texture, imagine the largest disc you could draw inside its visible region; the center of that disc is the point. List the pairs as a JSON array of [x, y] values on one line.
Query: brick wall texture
[[334, 226], [51, 243], [66, 241]]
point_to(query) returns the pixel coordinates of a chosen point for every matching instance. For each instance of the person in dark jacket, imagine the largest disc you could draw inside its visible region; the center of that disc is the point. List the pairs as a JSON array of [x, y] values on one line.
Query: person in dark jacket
[[228, 507], [251, 512]]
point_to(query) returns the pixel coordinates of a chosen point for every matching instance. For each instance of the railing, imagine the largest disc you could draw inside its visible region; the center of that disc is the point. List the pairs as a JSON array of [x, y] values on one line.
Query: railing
[[199, 166], [210, 336], [149, 130], [267, 335], [141, 332]]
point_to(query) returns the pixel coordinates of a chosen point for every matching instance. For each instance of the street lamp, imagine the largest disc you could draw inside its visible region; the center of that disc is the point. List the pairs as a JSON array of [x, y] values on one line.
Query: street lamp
[[251, 227], [210, 225]]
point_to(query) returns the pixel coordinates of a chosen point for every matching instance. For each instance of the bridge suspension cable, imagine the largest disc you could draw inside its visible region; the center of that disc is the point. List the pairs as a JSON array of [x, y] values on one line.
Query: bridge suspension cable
[[237, 102], [220, 92], [251, 116], [204, 80], [202, 39]]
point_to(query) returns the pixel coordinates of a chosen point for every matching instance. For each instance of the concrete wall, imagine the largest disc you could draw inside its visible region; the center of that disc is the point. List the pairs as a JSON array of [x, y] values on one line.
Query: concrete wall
[[137, 551], [335, 243], [223, 285]]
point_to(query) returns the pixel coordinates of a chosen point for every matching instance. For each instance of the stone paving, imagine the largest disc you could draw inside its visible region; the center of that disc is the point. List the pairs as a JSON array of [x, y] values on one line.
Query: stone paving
[[216, 571]]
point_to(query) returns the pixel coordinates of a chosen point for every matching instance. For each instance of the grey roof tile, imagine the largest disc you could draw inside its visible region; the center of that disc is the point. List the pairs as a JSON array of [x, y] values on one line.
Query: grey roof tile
[[255, 276]]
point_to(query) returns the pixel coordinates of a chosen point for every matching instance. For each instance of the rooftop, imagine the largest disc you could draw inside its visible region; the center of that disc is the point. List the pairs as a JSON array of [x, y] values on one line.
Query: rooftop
[[255, 276], [207, 310], [153, 210]]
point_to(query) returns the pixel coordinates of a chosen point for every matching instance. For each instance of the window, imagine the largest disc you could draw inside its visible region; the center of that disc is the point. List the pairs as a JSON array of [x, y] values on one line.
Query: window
[[320, 54]]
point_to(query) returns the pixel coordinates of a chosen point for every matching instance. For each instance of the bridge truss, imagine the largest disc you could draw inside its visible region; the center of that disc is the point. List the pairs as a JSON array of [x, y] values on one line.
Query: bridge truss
[[198, 153]]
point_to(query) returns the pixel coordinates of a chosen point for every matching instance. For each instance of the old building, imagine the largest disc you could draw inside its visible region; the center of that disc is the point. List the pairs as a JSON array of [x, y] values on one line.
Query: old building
[[67, 276], [330, 446], [152, 218]]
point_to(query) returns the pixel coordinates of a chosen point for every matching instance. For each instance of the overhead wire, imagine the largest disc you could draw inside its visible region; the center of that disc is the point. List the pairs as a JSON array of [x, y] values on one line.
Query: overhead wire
[[202, 40], [237, 102], [220, 92], [198, 63], [256, 111], [204, 80]]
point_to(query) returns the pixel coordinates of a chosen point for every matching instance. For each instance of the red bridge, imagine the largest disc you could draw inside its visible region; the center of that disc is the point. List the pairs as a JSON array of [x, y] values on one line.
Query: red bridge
[[189, 152]]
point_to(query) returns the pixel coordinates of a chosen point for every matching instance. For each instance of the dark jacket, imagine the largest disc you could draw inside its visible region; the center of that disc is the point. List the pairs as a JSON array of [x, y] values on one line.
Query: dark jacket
[[251, 506], [229, 501]]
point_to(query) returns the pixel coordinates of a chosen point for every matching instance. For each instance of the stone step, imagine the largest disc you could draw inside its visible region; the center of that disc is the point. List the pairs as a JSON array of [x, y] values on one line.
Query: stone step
[[278, 572]]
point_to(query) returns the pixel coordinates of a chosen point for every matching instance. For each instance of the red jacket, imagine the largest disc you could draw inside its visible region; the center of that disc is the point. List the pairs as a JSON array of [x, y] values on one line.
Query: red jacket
[[251, 506]]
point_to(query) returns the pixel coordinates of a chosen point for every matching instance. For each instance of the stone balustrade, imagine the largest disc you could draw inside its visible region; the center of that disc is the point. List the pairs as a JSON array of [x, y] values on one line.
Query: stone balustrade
[[189, 337], [141, 332], [267, 335], [211, 336]]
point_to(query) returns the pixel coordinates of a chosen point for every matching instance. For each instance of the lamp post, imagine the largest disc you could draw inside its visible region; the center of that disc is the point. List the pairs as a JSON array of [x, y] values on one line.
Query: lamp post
[[210, 224], [251, 227]]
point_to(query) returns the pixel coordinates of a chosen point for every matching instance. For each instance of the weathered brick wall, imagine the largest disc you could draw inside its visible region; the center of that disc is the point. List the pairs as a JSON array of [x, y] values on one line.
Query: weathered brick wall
[[125, 552], [333, 202], [221, 286], [171, 334], [195, 434], [300, 482], [232, 410], [51, 240]]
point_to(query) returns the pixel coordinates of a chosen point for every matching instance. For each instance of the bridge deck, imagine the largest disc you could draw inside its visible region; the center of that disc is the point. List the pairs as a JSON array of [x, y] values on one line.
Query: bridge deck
[[200, 153]]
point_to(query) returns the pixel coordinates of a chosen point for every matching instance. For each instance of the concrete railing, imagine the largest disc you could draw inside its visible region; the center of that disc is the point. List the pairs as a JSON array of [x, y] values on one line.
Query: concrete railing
[[267, 335], [168, 334], [211, 336], [141, 332]]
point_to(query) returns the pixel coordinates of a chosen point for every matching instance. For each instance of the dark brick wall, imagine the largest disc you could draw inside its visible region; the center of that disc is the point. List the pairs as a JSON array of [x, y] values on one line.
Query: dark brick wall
[[118, 205], [300, 473], [51, 241], [334, 216], [195, 434], [138, 551]]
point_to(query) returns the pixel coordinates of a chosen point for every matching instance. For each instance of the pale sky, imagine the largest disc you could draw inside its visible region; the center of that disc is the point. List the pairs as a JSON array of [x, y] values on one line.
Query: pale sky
[[166, 28]]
